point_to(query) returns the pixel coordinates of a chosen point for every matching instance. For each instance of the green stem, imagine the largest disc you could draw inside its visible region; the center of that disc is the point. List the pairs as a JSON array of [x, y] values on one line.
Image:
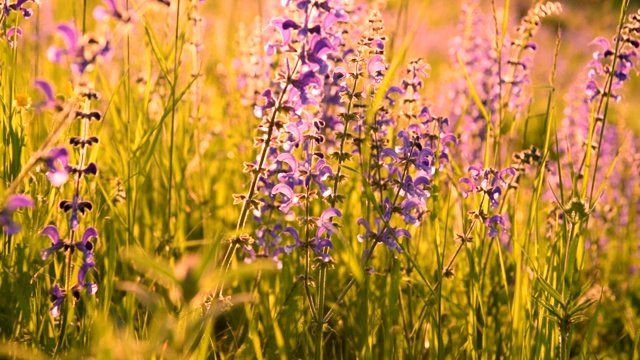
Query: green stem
[[176, 66]]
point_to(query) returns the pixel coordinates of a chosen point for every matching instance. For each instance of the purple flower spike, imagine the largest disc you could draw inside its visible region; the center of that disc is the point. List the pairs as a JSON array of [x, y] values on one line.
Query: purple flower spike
[[393, 94], [320, 46], [368, 234], [57, 161], [506, 175], [411, 211], [289, 159], [13, 203], [57, 296], [494, 196]]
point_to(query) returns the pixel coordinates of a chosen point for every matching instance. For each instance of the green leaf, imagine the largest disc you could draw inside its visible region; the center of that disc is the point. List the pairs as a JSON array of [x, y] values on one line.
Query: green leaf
[[554, 312], [550, 290]]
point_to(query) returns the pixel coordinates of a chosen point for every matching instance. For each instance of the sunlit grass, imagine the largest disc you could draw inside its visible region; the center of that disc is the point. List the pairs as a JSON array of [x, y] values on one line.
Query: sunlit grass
[[538, 261]]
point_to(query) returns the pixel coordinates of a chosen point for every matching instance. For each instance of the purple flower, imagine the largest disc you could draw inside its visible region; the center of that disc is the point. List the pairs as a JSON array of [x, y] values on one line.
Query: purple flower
[[91, 288], [412, 211], [319, 48], [51, 102], [13, 203], [82, 52], [388, 237], [316, 244], [319, 174], [57, 297], [325, 224], [56, 243], [258, 110], [392, 94], [307, 80], [102, 13], [57, 161], [376, 67], [486, 181], [18, 5], [85, 245], [290, 197], [12, 35], [492, 223], [70, 38]]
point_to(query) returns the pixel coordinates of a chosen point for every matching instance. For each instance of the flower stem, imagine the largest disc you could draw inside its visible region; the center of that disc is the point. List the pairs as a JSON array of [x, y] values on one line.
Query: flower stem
[[246, 205]]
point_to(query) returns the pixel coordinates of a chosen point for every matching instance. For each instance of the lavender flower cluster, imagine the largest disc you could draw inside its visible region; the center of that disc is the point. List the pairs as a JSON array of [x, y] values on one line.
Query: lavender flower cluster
[[589, 137], [492, 78]]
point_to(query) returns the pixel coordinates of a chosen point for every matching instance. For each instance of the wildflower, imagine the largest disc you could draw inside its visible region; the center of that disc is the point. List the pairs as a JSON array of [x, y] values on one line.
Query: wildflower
[[317, 244], [584, 116], [12, 35], [385, 234], [57, 161], [22, 101], [13, 203], [290, 197], [85, 245], [18, 5], [89, 287], [492, 224], [56, 243], [51, 102], [57, 297], [82, 51], [111, 10]]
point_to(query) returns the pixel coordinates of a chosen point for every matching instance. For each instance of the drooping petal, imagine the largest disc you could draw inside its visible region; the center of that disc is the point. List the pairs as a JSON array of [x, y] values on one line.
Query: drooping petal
[[326, 216], [46, 88], [52, 232], [290, 160], [291, 197], [88, 234], [69, 36], [466, 186]]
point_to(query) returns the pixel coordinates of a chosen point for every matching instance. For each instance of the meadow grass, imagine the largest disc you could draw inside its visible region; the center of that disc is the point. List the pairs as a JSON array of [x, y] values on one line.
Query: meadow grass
[[300, 185]]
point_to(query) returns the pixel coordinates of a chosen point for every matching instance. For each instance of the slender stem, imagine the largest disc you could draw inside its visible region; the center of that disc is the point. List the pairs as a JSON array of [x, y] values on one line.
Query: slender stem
[[322, 277], [606, 97], [316, 314], [246, 206], [176, 66]]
